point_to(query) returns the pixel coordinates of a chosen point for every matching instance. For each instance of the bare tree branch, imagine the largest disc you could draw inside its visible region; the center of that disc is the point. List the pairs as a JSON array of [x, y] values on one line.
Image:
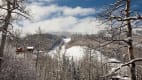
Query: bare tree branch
[[123, 65]]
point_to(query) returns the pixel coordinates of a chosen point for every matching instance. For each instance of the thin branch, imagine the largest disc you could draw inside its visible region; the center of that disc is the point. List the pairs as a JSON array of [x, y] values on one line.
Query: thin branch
[[125, 19], [123, 65], [104, 45], [21, 15]]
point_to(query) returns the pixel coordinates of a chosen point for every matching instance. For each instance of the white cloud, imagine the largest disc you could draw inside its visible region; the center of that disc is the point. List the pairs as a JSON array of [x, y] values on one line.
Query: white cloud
[[64, 18], [78, 11], [38, 12], [56, 24], [69, 24], [88, 25]]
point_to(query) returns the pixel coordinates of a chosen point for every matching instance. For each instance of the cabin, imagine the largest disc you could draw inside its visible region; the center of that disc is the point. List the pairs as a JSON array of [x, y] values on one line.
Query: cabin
[[19, 50]]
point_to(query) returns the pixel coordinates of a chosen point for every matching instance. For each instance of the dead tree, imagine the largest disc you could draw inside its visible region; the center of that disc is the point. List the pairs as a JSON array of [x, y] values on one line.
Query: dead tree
[[11, 8], [121, 17]]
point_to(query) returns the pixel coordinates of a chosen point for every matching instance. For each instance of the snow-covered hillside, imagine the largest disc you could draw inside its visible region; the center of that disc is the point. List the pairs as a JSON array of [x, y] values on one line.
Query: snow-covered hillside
[[79, 52], [75, 52]]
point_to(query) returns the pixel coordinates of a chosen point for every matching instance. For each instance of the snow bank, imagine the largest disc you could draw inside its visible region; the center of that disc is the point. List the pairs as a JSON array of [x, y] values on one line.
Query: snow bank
[[75, 52]]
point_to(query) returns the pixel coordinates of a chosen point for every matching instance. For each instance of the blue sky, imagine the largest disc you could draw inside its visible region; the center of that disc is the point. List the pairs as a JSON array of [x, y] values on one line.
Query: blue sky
[[74, 3], [67, 15], [84, 3]]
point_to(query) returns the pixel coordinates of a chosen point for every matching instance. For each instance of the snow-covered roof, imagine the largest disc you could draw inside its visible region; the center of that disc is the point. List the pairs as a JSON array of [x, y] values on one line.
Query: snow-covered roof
[[30, 47]]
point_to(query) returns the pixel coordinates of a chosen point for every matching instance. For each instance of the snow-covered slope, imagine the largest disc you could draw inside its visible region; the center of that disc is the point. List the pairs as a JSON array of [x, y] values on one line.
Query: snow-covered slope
[[79, 52], [76, 52]]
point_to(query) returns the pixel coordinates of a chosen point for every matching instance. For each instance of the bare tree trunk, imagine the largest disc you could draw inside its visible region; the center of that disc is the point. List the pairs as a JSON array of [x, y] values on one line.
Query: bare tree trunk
[[130, 42], [5, 26]]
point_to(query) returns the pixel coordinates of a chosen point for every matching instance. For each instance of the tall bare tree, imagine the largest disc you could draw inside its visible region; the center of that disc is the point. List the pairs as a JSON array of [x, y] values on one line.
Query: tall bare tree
[[10, 9], [121, 16]]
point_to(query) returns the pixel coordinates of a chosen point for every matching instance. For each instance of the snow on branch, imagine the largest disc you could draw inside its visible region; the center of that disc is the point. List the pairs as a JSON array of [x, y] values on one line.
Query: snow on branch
[[125, 19], [123, 65]]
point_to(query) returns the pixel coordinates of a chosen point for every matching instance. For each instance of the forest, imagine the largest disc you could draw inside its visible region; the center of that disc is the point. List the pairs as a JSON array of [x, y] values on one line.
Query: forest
[[32, 49]]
